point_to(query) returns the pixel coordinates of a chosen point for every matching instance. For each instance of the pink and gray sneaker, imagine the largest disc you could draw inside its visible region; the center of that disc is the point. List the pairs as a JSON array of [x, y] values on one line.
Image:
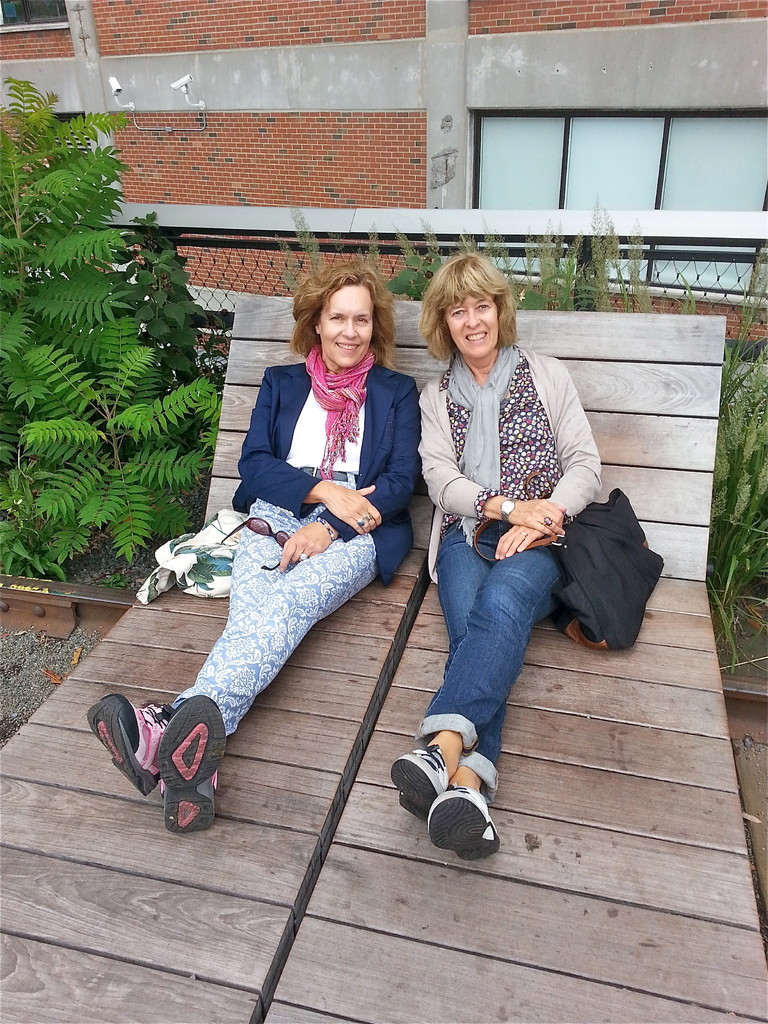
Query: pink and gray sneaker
[[190, 750], [132, 736]]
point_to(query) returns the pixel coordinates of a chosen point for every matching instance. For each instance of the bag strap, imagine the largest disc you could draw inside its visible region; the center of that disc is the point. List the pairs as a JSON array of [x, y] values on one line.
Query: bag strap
[[542, 542]]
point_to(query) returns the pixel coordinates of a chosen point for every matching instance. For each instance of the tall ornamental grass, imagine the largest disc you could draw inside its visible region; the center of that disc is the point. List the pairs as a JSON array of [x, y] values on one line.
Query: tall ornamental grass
[[738, 546]]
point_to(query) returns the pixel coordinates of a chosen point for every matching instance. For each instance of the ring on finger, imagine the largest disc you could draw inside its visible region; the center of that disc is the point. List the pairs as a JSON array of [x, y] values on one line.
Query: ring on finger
[[361, 523], [547, 521], [303, 556]]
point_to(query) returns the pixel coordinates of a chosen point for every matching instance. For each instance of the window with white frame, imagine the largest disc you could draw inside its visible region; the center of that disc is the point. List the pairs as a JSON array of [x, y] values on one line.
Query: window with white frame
[[642, 162]]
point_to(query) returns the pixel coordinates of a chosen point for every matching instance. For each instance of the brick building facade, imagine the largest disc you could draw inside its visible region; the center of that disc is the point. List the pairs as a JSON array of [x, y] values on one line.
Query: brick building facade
[[374, 103]]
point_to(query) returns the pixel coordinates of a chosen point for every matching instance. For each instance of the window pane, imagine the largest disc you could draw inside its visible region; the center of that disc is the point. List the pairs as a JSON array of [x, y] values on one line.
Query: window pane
[[520, 160], [716, 164], [12, 13], [614, 162]]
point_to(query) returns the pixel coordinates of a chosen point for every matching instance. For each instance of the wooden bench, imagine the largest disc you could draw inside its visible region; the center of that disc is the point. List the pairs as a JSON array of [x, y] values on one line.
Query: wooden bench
[[618, 808], [622, 888], [106, 914]]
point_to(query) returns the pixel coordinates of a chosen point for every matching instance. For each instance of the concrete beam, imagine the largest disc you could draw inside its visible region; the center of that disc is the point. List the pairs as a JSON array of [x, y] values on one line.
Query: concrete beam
[[708, 227], [711, 65]]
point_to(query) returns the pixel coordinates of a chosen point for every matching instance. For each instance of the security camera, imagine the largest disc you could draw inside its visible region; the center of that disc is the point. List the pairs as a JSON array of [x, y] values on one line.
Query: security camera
[[115, 86], [182, 83]]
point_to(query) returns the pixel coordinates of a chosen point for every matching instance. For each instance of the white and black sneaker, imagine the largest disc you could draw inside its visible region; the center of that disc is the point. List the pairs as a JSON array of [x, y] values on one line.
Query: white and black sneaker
[[420, 776], [459, 821]]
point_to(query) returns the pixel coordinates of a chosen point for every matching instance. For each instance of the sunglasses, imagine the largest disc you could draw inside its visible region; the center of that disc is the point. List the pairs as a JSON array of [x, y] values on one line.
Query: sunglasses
[[262, 527]]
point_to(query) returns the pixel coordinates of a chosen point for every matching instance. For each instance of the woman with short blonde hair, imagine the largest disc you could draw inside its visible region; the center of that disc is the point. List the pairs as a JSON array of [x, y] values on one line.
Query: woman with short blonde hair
[[465, 274], [505, 446]]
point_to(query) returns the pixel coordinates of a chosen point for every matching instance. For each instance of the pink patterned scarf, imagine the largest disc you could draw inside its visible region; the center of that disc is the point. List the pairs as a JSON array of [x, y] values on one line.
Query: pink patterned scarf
[[342, 396]]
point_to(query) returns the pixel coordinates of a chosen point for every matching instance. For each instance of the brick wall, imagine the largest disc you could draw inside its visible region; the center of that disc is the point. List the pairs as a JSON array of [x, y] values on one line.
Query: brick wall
[[487, 16], [281, 159], [36, 43], [174, 26]]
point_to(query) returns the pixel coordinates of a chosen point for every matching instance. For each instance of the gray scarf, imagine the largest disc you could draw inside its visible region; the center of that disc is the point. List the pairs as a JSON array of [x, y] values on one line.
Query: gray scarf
[[481, 460]]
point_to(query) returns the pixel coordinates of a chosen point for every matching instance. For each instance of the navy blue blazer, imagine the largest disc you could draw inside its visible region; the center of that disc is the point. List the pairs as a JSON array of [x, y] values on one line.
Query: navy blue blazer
[[388, 456]]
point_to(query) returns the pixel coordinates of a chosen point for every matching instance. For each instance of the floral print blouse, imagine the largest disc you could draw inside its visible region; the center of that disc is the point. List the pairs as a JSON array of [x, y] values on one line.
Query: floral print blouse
[[527, 443]]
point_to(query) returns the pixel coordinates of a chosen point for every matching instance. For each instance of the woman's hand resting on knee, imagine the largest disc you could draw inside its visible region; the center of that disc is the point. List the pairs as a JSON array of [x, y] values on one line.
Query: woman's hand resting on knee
[[351, 506], [307, 541]]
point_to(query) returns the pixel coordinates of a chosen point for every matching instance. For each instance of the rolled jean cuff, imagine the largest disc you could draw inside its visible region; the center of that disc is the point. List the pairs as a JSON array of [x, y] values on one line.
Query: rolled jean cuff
[[485, 770], [450, 723]]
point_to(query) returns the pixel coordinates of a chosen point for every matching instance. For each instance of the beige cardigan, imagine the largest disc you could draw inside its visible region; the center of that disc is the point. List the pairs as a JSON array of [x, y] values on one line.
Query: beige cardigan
[[576, 450]]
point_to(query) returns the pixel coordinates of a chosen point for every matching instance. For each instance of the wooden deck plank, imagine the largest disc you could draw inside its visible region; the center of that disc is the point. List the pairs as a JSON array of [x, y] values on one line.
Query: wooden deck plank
[[175, 927], [397, 594], [694, 881], [589, 796], [614, 698], [599, 743], [64, 823], [268, 733], [54, 985], [333, 694], [145, 624], [471, 988], [259, 791], [683, 597], [660, 628], [562, 932], [650, 662]]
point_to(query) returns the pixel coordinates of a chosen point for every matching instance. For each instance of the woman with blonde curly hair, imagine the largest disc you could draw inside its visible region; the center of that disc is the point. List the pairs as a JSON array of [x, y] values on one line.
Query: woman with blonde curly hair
[[327, 471], [506, 447]]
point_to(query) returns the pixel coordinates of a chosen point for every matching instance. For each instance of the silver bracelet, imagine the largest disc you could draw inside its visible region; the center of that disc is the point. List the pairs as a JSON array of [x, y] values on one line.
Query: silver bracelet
[[331, 532]]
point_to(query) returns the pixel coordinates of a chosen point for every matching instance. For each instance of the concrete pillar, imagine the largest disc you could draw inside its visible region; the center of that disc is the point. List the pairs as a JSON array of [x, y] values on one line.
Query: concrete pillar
[[92, 85], [445, 89]]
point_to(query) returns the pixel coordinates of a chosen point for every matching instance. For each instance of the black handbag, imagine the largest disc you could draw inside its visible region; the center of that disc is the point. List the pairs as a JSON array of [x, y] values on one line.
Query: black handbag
[[607, 574]]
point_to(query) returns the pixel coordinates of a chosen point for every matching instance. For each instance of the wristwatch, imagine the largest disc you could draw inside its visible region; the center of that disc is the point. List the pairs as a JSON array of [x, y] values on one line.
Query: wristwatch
[[507, 508]]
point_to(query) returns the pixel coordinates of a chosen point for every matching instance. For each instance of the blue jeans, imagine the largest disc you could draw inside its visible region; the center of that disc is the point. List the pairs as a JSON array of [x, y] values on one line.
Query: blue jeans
[[490, 608]]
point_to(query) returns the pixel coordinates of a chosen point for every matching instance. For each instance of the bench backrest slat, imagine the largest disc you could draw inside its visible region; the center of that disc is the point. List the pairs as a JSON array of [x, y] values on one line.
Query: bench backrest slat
[[650, 384]]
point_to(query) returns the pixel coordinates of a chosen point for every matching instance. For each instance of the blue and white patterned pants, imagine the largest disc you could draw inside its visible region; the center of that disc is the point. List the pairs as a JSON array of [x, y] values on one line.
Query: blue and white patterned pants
[[271, 612]]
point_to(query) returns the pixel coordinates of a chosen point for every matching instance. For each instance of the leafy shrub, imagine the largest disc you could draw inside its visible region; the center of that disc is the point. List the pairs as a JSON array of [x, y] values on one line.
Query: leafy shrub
[[104, 416]]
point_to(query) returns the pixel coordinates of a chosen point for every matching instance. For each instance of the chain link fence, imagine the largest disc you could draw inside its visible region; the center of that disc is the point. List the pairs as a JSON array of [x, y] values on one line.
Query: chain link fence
[[639, 275]]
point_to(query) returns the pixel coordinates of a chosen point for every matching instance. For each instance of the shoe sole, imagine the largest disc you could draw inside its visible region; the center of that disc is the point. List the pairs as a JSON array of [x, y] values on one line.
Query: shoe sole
[[104, 720], [417, 794], [458, 825], [190, 751]]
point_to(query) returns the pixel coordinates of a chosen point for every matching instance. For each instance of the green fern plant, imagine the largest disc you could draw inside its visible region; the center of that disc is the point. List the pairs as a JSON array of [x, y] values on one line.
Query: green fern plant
[[104, 417], [101, 452]]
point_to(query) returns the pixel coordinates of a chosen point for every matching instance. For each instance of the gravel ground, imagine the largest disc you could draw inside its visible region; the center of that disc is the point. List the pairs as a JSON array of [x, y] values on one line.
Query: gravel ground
[[29, 655]]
